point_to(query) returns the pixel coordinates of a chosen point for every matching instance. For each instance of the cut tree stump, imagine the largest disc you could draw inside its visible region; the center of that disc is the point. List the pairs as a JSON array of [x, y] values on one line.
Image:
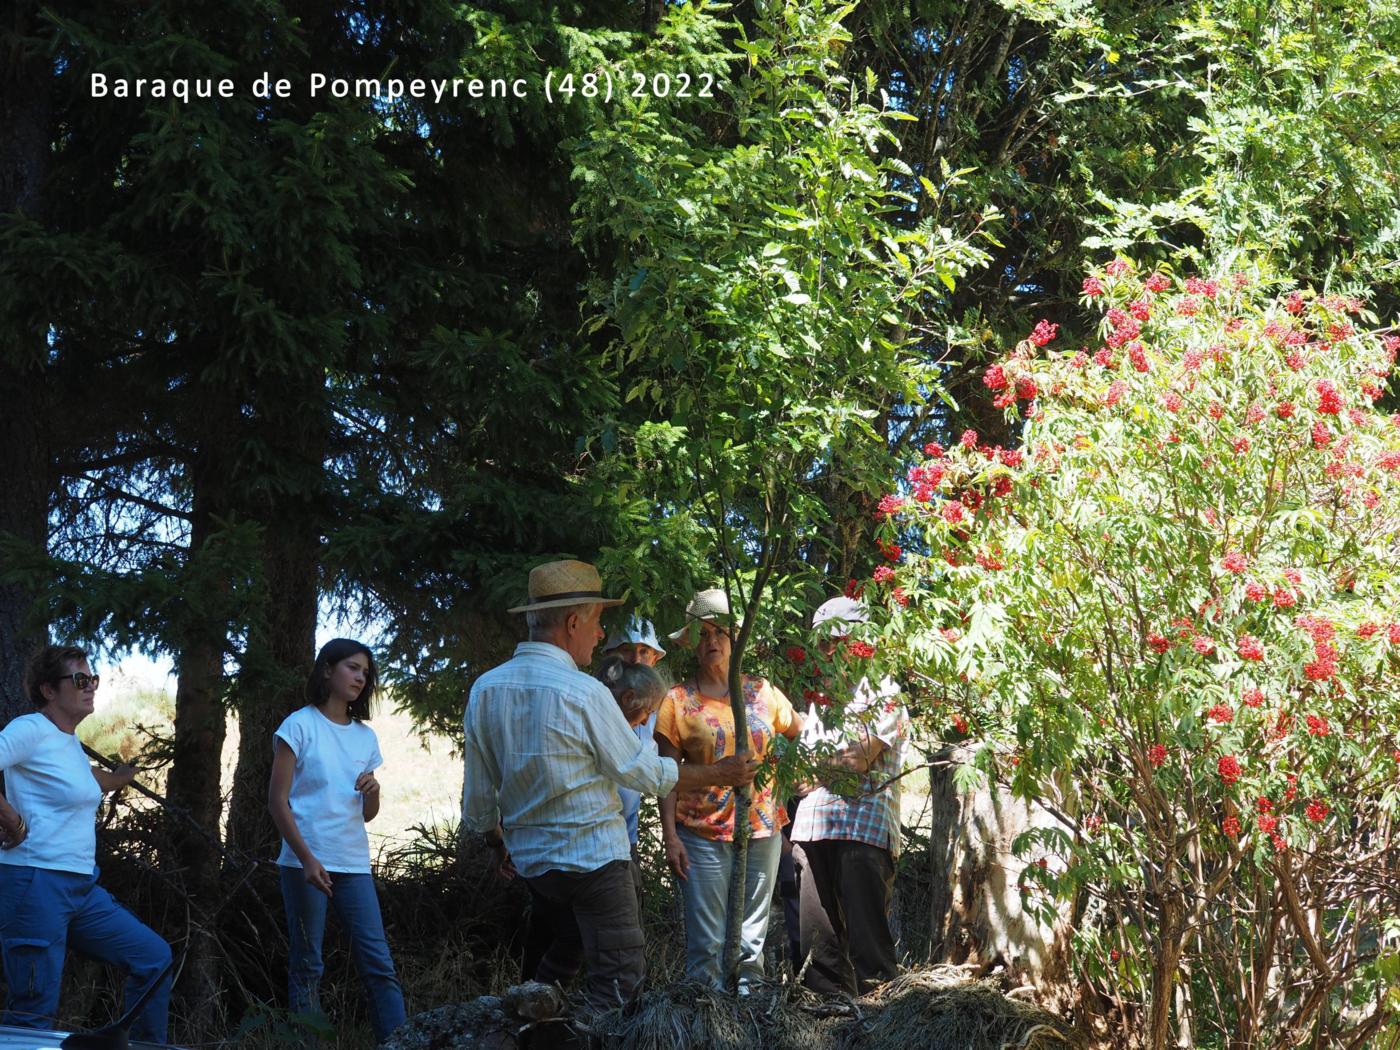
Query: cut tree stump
[[978, 916]]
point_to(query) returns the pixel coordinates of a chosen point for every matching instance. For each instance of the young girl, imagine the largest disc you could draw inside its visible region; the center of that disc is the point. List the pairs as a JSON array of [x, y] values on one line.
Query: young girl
[[321, 795]]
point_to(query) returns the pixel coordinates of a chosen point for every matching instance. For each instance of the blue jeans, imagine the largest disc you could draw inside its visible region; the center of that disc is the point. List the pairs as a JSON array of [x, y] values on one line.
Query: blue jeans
[[357, 904], [706, 895], [41, 913]]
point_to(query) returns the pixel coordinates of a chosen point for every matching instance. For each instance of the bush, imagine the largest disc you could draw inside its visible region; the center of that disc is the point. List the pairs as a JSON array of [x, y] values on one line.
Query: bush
[[1182, 586]]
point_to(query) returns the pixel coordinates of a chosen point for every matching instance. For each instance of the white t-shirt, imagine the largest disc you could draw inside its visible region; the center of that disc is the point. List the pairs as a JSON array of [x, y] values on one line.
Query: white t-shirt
[[329, 811], [49, 781]]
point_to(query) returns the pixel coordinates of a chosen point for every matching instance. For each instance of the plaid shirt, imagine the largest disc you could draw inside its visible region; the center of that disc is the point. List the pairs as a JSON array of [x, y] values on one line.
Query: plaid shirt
[[867, 811], [546, 748]]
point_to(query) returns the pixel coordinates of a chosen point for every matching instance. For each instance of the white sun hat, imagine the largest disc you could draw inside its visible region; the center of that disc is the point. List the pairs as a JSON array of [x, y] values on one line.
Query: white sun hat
[[712, 604], [635, 632]]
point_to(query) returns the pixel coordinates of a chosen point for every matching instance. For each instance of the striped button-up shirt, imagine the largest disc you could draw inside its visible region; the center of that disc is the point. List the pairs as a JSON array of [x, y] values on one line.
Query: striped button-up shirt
[[546, 748], [868, 811]]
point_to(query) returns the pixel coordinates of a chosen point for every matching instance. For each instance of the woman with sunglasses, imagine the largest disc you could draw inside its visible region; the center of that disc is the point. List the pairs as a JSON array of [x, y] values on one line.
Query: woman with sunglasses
[[49, 896], [322, 793]]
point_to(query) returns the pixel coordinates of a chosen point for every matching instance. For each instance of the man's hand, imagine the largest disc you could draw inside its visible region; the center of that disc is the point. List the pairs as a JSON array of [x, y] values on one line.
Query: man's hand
[[677, 857], [504, 867], [735, 770], [500, 857], [367, 785]]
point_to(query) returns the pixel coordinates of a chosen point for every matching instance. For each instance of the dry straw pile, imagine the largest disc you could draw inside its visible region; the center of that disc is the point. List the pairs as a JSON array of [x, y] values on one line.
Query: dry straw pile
[[938, 1009]]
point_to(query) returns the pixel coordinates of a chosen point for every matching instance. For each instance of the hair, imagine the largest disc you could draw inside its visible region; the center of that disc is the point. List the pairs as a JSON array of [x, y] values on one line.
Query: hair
[[48, 665], [337, 649], [644, 683], [543, 620]]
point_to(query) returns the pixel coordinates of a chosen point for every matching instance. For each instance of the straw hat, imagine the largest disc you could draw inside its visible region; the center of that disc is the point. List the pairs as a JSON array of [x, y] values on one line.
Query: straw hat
[[839, 612], [636, 632], [559, 583], [712, 604]]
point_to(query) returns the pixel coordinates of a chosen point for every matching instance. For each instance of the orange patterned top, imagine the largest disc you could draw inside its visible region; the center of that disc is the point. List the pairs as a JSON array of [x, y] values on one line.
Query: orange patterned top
[[701, 727]]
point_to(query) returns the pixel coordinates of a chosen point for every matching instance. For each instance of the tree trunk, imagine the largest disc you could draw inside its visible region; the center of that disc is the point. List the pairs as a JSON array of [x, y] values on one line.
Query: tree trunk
[[1164, 971], [282, 642], [193, 785], [25, 110], [976, 910], [24, 480], [274, 678], [743, 798]]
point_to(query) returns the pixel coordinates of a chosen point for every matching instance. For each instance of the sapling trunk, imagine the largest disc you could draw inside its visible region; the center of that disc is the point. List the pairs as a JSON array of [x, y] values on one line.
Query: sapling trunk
[[743, 797]]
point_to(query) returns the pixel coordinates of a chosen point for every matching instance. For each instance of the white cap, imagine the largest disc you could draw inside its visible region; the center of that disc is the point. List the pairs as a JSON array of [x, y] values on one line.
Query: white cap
[[840, 612], [635, 632]]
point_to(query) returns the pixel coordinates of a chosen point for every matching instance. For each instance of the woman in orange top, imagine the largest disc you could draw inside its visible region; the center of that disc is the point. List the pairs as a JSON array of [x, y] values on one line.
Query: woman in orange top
[[696, 723]]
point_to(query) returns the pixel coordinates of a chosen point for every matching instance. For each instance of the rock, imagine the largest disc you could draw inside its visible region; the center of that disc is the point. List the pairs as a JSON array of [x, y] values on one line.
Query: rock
[[533, 1001], [489, 1022], [481, 1024]]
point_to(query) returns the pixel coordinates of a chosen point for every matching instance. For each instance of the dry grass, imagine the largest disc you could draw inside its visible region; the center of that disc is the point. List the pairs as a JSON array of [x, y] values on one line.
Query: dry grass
[[936, 1009], [130, 723], [421, 782]]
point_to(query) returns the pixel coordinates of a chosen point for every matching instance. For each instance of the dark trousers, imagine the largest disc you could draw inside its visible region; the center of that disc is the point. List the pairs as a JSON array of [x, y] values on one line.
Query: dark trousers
[[788, 893], [846, 889], [546, 925], [591, 918]]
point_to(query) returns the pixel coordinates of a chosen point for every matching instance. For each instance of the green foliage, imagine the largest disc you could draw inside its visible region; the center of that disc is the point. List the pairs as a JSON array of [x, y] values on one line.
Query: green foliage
[[1296, 134], [762, 300], [1173, 129], [763, 295], [317, 327], [281, 350], [269, 1026]]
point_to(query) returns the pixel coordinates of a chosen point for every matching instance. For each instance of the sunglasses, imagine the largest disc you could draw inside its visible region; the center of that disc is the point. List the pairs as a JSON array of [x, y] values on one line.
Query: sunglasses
[[80, 680]]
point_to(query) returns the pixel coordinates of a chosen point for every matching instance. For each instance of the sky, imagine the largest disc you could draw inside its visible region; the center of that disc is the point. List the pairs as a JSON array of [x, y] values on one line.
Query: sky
[[135, 672]]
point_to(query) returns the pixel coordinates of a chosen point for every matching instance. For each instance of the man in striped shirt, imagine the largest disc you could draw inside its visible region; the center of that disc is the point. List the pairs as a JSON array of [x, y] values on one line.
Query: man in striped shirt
[[545, 749]]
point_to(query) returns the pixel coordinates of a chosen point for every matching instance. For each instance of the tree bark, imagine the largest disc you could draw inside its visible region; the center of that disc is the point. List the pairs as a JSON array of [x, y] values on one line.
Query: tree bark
[[976, 910], [743, 799], [282, 642], [26, 108], [24, 480], [273, 681], [194, 782], [1164, 972]]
